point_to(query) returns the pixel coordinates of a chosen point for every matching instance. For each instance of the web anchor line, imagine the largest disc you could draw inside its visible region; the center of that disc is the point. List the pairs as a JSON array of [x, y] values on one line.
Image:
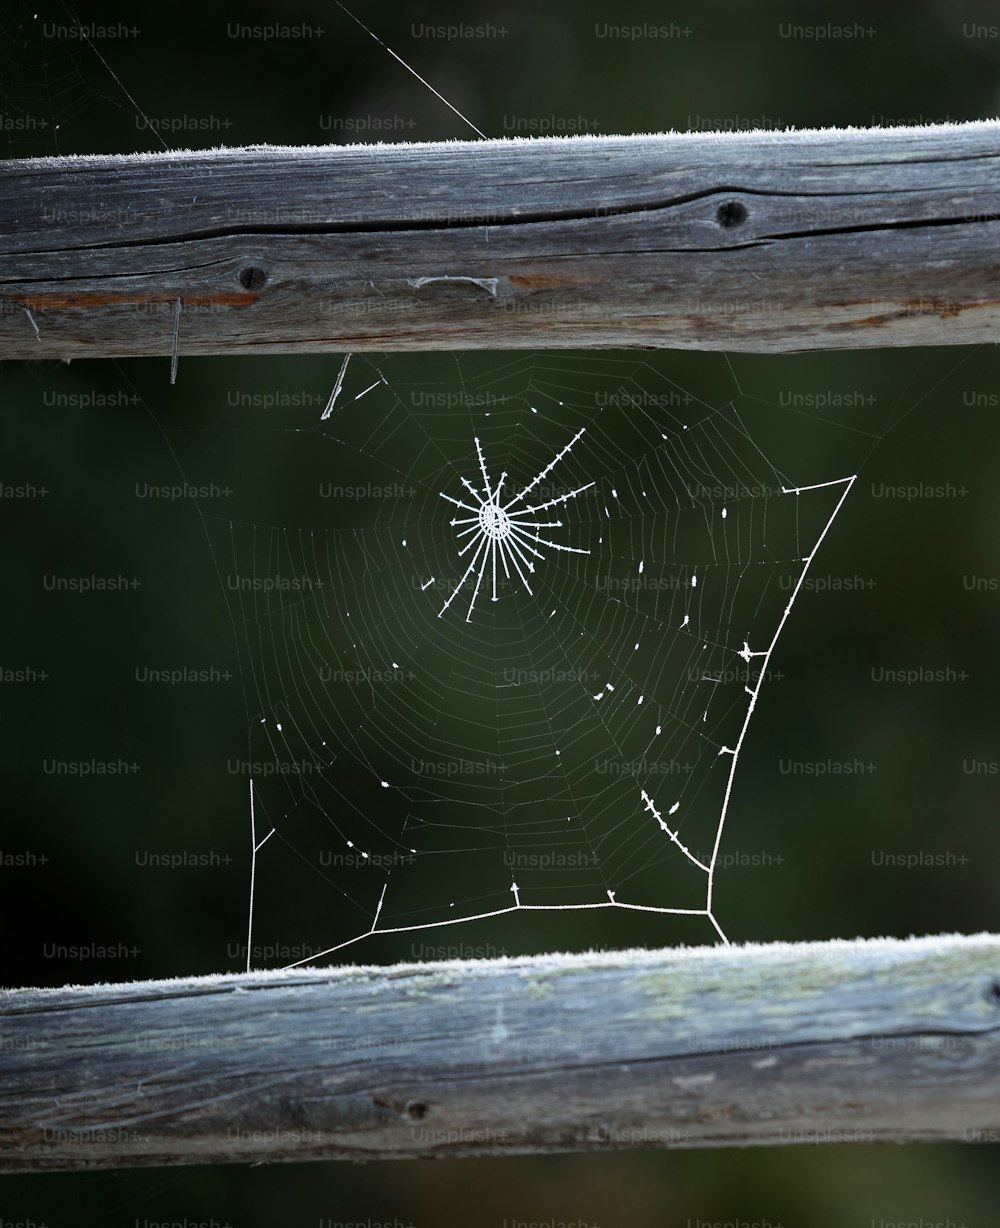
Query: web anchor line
[[651, 806], [175, 347], [847, 483], [747, 654], [400, 60], [502, 912], [336, 389]]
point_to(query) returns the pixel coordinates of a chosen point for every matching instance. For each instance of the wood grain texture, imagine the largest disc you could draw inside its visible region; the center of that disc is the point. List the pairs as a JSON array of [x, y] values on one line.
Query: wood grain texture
[[767, 241], [811, 1043]]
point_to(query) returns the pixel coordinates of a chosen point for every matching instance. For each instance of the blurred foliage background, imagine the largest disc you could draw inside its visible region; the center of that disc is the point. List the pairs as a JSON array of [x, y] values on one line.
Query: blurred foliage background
[[924, 572]]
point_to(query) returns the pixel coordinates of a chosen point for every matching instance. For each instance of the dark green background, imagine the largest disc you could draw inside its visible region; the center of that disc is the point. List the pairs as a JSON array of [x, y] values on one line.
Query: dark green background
[[933, 421]]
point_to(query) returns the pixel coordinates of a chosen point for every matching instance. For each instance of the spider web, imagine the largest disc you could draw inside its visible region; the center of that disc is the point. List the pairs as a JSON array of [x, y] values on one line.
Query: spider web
[[56, 84], [422, 754]]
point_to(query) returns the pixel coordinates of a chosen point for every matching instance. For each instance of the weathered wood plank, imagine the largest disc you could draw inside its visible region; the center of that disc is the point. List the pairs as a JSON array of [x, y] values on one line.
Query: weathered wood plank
[[894, 1040], [749, 241]]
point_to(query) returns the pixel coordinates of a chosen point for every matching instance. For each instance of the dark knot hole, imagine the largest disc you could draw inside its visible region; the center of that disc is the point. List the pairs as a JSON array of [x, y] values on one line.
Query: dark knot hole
[[252, 277], [731, 213]]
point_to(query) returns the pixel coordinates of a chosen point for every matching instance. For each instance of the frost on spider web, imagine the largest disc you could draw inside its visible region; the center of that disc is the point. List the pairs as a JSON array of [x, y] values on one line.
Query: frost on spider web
[[424, 754], [506, 530]]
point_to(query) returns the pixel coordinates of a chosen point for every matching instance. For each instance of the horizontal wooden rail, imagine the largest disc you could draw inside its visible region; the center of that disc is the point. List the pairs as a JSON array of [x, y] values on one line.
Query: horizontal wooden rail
[[767, 241], [831, 1042]]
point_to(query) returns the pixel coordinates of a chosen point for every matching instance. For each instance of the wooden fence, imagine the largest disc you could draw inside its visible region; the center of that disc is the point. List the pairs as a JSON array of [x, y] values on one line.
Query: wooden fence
[[709, 1046], [770, 242], [767, 242]]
